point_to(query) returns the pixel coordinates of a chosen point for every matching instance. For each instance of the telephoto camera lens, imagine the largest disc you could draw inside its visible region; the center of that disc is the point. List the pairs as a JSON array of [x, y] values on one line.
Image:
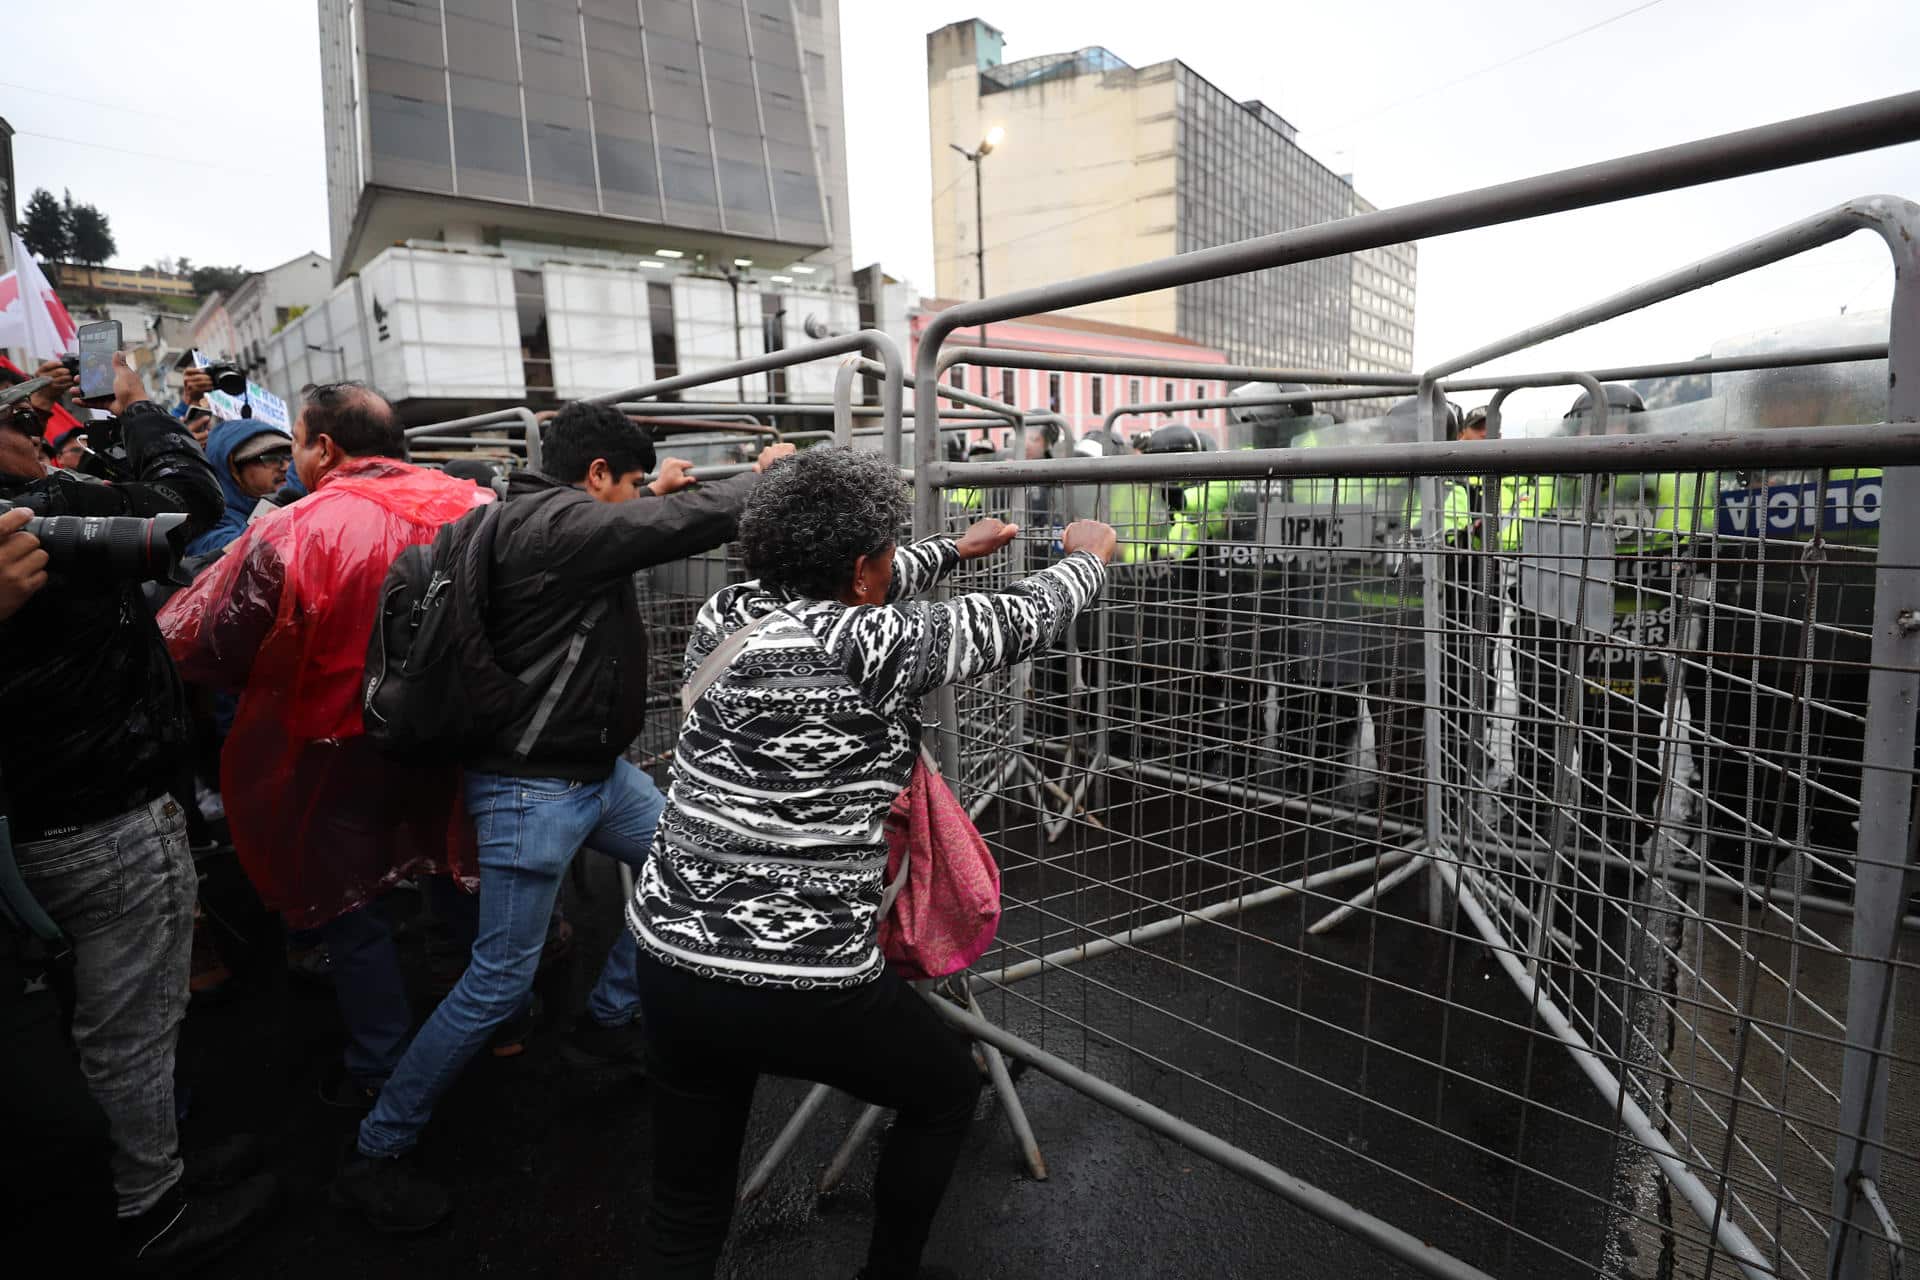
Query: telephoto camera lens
[[115, 547]]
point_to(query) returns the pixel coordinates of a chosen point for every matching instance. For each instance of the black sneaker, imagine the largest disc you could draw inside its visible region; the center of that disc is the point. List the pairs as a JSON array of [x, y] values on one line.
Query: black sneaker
[[595, 1044], [184, 1231], [310, 964], [392, 1194], [509, 1039], [342, 1091], [222, 1164]]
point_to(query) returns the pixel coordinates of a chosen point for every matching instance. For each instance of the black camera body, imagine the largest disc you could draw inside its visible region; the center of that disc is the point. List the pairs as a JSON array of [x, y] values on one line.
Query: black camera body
[[115, 548], [227, 378]]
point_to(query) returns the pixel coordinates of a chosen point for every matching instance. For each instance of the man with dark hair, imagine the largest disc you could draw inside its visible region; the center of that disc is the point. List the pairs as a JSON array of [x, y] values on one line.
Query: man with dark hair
[[561, 601], [322, 823], [342, 421]]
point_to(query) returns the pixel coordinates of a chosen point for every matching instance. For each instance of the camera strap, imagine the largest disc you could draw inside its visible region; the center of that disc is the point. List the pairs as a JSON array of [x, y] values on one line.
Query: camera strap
[[19, 902]]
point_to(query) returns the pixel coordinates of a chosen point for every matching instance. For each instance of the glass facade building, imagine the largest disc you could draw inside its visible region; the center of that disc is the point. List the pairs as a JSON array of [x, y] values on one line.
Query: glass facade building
[[718, 117], [1104, 165], [1239, 174]]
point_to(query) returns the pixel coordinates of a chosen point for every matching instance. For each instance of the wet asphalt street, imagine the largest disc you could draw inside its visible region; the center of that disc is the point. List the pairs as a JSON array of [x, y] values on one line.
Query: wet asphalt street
[[1317, 1058]]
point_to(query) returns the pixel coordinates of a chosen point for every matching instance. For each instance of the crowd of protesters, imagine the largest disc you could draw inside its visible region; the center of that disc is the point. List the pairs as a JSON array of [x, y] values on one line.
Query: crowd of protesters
[[749, 944]]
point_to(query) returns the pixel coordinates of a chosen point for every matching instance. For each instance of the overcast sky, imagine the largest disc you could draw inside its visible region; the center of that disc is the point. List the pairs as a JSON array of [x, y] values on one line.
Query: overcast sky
[[199, 133]]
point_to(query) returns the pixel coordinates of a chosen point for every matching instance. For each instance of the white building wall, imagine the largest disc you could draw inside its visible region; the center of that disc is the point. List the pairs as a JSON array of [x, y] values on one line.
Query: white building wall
[[814, 381], [704, 332], [423, 323], [442, 325], [597, 329]]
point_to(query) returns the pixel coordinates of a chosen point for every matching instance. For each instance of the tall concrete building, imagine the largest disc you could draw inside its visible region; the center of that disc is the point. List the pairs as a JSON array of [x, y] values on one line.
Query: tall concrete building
[[718, 120], [1101, 165], [536, 199]]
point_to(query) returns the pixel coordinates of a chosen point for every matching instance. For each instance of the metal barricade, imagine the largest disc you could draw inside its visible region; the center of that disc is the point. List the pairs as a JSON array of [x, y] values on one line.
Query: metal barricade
[[1650, 776], [1627, 1025]]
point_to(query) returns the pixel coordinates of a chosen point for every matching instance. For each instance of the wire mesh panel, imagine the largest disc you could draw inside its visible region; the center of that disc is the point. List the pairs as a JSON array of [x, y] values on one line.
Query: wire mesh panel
[[1660, 814], [1633, 788]]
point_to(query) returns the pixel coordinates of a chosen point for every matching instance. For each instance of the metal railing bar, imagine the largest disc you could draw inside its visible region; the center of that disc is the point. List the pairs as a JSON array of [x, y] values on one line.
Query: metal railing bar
[[1703, 1203], [1890, 445], [1382, 1235]]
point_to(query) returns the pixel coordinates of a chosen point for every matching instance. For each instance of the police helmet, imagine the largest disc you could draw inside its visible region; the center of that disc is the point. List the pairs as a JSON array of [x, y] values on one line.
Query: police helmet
[[1256, 413], [1621, 398], [1402, 416], [1175, 438]]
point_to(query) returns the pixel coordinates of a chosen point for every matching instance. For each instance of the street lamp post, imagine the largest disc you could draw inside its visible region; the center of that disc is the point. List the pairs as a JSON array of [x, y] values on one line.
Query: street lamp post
[[987, 144]]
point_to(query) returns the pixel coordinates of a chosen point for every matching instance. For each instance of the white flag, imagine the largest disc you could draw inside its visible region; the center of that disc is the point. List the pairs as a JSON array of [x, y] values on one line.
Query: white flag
[[31, 315]]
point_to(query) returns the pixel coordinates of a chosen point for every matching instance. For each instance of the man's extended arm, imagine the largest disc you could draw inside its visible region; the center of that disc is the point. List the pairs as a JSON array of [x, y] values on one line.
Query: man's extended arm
[[605, 541]]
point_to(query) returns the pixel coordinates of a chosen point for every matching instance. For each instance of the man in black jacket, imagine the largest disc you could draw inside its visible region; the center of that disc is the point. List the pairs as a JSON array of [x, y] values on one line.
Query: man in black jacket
[[97, 839], [562, 612]]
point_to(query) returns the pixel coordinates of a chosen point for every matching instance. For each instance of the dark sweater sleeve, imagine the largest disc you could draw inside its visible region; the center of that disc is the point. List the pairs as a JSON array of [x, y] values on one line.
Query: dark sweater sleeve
[[597, 543], [170, 474]]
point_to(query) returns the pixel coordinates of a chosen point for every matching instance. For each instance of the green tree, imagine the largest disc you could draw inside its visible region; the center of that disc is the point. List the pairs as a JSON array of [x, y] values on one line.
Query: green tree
[[92, 235], [207, 280], [44, 227]]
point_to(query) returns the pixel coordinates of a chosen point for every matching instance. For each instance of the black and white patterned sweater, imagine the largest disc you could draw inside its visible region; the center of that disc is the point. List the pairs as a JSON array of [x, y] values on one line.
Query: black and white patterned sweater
[[768, 863]]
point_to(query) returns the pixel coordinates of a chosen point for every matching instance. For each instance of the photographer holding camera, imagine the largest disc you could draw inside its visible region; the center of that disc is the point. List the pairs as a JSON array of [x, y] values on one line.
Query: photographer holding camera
[[98, 842]]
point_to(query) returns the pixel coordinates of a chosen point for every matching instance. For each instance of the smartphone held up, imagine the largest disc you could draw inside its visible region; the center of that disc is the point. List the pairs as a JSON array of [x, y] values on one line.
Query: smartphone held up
[[98, 343]]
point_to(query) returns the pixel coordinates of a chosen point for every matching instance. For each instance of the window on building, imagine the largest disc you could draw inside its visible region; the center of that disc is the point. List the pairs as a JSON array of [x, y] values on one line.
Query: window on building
[[536, 355], [1169, 392], [1097, 405], [1006, 385], [773, 327], [666, 353], [1053, 392], [1133, 391]]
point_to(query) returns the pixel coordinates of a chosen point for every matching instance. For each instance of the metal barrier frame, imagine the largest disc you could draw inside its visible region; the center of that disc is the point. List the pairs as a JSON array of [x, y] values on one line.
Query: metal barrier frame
[[1885, 803], [449, 432], [1278, 398]]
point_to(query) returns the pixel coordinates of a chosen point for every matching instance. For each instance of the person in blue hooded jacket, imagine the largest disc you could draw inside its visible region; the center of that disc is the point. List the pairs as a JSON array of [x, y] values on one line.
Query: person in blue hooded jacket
[[250, 457]]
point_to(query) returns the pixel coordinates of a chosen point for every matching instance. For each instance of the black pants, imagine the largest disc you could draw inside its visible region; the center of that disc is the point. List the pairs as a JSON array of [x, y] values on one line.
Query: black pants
[[708, 1042], [56, 1183]]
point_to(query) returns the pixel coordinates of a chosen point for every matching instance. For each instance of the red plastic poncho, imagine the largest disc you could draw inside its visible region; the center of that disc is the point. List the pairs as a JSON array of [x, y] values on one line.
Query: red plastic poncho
[[322, 822]]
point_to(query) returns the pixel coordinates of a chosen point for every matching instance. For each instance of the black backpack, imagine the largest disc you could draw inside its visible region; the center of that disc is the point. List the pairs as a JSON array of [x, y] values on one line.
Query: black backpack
[[434, 690]]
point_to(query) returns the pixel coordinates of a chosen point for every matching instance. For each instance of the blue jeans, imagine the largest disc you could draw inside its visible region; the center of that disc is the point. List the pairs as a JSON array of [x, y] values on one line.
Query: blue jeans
[[123, 892], [367, 980], [528, 830]]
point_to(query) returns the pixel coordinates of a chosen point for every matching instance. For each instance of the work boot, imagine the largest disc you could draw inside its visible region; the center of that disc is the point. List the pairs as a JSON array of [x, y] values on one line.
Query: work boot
[[340, 1090], [222, 1164], [595, 1044], [184, 1231], [509, 1039], [390, 1192]]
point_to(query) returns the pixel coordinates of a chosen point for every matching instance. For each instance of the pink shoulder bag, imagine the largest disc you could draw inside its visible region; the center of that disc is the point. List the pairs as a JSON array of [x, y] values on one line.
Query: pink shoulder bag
[[942, 908]]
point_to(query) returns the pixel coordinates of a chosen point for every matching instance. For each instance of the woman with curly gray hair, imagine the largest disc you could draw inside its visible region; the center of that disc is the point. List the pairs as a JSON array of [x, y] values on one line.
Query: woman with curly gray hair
[[756, 913]]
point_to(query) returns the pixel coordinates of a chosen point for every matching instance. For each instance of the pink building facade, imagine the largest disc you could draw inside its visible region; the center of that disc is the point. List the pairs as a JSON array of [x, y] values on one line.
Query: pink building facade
[[1084, 399]]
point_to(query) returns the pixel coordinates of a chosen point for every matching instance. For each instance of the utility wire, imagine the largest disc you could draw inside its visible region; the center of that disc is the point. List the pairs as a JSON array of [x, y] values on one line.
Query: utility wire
[[150, 155], [1048, 230], [1554, 43]]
